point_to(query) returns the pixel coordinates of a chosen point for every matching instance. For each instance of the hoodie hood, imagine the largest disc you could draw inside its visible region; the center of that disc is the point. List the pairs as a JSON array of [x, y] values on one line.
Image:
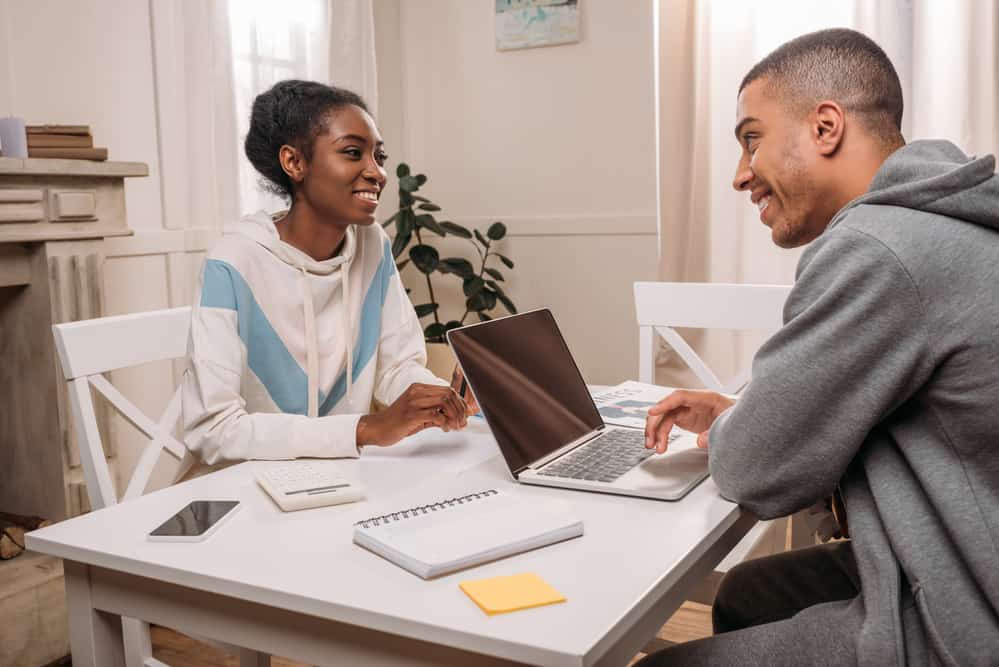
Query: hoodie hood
[[935, 176], [260, 227]]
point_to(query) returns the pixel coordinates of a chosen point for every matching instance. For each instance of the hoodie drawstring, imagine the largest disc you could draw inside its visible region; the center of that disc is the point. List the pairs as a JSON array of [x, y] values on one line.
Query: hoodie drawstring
[[312, 342], [312, 347], [348, 328]]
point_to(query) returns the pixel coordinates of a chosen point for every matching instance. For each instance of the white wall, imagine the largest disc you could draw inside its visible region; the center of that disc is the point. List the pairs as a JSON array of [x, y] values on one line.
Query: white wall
[[90, 62], [557, 142]]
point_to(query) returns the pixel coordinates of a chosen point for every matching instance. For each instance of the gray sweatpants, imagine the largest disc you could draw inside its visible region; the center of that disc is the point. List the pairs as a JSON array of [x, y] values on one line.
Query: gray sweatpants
[[788, 609]]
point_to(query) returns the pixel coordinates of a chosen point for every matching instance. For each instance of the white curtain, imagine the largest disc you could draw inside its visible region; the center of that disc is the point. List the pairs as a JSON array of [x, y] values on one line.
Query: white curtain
[[946, 55], [352, 49], [195, 113], [955, 73]]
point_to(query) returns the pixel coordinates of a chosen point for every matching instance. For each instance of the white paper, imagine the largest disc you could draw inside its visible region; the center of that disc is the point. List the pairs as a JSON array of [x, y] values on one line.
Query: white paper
[[628, 403]]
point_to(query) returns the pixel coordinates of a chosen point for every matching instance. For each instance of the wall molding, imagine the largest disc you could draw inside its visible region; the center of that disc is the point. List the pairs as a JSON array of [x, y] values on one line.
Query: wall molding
[[199, 239], [161, 242], [567, 224]]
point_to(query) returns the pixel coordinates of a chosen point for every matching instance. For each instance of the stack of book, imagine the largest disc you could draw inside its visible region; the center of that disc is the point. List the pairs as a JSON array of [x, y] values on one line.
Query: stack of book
[[63, 141]]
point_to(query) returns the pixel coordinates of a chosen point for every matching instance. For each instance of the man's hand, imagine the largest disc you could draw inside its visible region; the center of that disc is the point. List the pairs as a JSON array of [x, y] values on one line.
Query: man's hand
[[690, 410], [459, 385], [420, 406]]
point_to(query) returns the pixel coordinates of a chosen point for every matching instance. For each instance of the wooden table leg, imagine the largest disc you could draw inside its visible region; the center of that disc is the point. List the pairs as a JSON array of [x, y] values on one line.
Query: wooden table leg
[[95, 637]]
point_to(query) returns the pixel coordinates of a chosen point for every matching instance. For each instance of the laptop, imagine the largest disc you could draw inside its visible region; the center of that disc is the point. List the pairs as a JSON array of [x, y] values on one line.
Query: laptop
[[543, 417]]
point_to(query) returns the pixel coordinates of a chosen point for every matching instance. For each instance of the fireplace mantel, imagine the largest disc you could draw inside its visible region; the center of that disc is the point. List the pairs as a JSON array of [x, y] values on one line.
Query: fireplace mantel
[[54, 217]]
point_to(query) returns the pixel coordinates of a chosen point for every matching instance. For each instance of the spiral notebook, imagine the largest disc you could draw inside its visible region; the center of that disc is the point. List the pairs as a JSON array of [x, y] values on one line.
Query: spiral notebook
[[458, 533]]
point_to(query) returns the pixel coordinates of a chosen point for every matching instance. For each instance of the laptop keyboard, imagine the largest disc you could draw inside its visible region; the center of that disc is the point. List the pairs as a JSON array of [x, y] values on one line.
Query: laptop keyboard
[[605, 458]]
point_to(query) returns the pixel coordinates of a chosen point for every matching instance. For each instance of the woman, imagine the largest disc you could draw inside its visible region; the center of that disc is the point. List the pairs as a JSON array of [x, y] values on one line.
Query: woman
[[300, 321]]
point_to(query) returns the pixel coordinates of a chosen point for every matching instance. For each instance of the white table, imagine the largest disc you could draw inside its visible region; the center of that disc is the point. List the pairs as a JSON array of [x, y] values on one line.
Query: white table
[[295, 585]]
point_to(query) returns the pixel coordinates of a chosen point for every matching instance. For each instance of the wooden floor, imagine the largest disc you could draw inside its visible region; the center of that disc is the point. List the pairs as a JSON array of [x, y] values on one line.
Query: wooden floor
[[691, 621]]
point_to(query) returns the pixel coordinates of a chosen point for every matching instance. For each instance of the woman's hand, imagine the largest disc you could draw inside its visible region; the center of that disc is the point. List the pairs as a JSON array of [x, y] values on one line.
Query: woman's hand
[[690, 410], [420, 406], [464, 391]]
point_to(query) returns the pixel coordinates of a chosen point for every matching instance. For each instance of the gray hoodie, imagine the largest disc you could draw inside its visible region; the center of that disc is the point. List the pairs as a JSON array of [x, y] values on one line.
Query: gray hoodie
[[885, 381]]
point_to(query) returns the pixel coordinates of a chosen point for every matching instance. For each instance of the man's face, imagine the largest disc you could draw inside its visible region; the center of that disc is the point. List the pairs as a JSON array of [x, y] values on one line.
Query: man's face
[[779, 168]]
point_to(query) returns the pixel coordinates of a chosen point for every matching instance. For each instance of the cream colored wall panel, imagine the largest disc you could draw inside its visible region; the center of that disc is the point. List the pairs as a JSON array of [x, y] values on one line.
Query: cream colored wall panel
[[135, 284], [530, 132], [88, 63], [6, 84]]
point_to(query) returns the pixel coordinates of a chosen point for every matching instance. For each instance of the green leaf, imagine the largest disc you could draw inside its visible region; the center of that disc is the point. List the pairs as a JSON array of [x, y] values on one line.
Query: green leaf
[[409, 183], [399, 243], [458, 265], [481, 238], [484, 300], [505, 260], [392, 219], [404, 225], [456, 229], [483, 317], [509, 304], [426, 220], [472, 285], [420, 180], [496, 231], [495, 287], [490, 298], [425, 309], [428, 206], [405, 199], [493, 272], [425, 257], [434, 331], [419, 198], [402, 170], [453, 324], [401, 265]]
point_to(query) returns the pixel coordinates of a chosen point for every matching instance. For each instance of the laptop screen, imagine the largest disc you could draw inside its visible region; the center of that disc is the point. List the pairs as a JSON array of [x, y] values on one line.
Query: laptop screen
[[526, 383]]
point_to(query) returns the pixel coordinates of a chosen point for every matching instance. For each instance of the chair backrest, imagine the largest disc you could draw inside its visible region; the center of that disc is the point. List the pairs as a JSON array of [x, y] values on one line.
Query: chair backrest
[[89, 348], [662, 307]]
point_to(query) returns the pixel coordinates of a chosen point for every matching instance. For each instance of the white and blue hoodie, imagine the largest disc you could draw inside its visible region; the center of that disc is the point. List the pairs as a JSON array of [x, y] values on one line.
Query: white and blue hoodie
[[271, 375]]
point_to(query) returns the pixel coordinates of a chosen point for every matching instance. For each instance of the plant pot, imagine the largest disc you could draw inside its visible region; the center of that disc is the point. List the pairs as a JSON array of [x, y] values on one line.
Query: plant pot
[[440, 360]]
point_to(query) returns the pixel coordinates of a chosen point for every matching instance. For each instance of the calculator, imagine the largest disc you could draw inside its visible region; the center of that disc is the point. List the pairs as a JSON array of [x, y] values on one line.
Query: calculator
[[299, 485]]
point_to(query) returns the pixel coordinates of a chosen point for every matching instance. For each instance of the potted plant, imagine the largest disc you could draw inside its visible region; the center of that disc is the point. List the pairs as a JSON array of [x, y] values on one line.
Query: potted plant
[[415, 224]]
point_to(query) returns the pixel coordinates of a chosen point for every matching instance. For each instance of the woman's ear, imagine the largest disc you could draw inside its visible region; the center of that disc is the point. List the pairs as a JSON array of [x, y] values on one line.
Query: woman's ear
[[293, 163], [828, 126]]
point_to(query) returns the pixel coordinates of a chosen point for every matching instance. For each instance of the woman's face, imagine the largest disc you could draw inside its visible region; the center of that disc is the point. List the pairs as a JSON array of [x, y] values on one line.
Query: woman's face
[[345, 177]]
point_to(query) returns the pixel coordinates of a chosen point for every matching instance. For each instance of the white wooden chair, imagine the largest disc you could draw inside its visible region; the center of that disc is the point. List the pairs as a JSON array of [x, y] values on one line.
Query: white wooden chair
[[663, 307], [89, 348]]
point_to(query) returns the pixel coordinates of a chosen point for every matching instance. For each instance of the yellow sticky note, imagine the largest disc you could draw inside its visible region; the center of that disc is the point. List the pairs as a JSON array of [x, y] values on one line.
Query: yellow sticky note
[[499, 595]]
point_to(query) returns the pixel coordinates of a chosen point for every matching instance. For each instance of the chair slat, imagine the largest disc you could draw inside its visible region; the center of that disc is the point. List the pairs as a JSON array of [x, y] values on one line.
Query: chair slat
[[711, 305], [169, 420], [691, 358], [105, 344], [100, 489], [135, 416]]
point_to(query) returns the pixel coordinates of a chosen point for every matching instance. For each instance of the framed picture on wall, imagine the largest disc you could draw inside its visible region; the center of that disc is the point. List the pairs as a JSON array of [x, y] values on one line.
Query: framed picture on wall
[[524, 24]]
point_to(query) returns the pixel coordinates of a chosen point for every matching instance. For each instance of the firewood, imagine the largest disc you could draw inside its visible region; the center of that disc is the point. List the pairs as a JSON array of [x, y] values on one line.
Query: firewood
[[26, 522], [11, 540]]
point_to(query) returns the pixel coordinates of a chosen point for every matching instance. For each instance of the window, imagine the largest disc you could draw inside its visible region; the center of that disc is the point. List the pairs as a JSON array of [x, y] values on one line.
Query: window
[[272, 41]]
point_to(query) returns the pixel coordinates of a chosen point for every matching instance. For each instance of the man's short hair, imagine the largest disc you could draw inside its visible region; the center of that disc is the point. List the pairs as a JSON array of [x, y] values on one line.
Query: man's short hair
[[841, 65]]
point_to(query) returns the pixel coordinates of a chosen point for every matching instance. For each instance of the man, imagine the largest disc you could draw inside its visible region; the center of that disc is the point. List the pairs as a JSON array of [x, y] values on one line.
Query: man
[[883, 383]]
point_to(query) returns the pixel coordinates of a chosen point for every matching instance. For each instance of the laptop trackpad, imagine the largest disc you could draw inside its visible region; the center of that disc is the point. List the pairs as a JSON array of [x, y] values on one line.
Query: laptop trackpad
[[674, 472]]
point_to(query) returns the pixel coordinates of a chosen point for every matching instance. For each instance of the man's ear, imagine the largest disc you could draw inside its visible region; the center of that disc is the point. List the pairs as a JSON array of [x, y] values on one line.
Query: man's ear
[[828, 127], [293, 163]]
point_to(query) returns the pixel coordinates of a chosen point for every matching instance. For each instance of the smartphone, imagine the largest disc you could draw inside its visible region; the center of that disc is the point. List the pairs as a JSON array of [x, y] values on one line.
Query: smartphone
[[195, 522]]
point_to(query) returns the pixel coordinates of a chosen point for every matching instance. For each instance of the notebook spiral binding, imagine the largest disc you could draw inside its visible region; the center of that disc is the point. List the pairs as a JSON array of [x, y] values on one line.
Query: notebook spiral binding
[[423, 509]]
